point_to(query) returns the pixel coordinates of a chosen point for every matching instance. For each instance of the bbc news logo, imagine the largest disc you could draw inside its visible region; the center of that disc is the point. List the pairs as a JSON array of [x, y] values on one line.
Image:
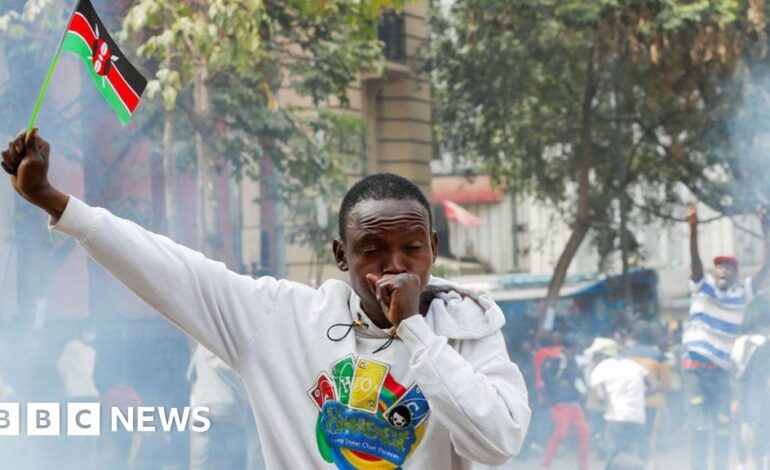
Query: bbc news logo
[[85, 419]]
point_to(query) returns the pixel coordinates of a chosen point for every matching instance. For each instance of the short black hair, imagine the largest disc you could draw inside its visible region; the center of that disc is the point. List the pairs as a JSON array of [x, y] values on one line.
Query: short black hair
[[642, 332], [378, 187], [570, 341]]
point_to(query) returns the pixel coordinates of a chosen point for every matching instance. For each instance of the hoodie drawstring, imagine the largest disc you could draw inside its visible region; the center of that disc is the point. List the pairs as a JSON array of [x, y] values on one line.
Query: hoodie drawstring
[[386, 345], [357, 323]]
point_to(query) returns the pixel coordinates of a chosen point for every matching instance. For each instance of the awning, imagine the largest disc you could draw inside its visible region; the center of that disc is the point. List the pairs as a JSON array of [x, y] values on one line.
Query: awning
[[493, 284], [462, 190], [515, 287], [539, 293], [455, 212]]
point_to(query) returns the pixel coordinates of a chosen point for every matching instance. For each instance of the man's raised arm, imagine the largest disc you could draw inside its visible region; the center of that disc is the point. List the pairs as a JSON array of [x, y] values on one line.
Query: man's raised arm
[[219, 308], [696, 265], [761, 276]]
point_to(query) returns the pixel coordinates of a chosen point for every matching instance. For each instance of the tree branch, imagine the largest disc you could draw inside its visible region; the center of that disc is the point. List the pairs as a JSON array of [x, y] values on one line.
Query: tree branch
[[746, 230], [200, 126], [671, 218]]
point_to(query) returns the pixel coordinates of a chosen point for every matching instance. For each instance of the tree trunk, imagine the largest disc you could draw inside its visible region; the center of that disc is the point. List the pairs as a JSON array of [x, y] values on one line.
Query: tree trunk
[[579, 231], [582, 218], [169, 166], [621, 142], [627, 307], [207, 213], [158, 183], [169, 170]]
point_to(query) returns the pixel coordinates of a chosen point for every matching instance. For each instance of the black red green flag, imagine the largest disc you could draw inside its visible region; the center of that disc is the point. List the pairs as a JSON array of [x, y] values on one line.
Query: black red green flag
[[117, 80]]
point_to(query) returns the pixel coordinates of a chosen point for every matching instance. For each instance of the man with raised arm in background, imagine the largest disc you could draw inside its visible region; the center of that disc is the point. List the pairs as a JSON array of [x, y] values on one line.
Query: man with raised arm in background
[[717, 308]]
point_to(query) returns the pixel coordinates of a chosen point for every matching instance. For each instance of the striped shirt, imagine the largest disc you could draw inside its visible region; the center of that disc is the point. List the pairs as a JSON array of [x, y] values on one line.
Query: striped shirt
[[715, 320]]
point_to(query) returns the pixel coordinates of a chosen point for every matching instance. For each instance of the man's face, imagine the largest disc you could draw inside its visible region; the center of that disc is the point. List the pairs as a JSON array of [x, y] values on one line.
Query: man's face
[[725, 275], [390, 236]]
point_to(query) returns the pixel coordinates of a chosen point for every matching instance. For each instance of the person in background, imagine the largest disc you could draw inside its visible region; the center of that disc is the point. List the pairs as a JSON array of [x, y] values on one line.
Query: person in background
[[621, 384], [646, 353], [717, 309], [592, 406], [549, 345], [564, 390], [755, 393], [75, 366], [5, 390], [751, 403], [524, 358], [121, 447], [232, 441], [675, 418]]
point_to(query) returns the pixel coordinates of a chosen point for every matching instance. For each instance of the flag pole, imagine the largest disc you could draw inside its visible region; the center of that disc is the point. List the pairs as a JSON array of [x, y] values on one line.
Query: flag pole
[[47, 81]]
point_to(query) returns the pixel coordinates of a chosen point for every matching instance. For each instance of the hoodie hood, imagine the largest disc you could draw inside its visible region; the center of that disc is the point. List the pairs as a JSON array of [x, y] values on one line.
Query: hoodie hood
[[456, 312]]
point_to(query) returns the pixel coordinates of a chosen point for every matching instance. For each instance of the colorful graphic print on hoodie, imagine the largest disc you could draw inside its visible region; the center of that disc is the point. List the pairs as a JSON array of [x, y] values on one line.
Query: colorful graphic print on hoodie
[[367, 420]]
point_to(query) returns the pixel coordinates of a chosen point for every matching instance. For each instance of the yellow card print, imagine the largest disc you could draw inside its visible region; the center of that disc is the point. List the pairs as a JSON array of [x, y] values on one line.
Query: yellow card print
[[367, 381]]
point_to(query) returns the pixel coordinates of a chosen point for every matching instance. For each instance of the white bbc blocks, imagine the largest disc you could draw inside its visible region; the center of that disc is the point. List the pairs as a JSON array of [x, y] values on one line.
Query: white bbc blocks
[[10, 419], [83, 419], [43, 419]]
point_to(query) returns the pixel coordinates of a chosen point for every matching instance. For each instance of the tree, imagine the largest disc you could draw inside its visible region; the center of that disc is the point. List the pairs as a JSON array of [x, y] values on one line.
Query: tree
[[598, 108], [221, 64]]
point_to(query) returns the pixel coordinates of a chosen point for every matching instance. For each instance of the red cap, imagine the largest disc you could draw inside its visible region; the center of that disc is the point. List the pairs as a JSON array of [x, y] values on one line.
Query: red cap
[[725, 259]]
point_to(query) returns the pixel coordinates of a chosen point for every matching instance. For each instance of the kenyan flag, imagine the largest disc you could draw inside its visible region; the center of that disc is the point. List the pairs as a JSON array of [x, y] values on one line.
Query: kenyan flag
[[114, 76]]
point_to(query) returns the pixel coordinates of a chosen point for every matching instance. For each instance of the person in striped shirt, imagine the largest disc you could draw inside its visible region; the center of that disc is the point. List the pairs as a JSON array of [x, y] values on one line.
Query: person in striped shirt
[[717, 307]]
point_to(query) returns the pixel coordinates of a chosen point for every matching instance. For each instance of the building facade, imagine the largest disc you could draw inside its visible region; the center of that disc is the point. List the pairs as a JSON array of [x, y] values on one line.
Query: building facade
[[395, 106]]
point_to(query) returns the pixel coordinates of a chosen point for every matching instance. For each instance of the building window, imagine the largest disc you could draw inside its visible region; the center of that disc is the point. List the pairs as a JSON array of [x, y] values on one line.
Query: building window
[[391, 32], [265, 260]]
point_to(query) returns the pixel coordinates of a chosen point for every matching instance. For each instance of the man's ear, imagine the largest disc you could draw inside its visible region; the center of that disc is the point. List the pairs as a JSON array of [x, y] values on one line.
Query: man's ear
[[340, 258], [434, 244]]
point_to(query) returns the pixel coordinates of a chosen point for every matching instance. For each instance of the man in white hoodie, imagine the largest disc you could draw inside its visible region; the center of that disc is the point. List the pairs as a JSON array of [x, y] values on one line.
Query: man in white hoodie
[[394, 370]]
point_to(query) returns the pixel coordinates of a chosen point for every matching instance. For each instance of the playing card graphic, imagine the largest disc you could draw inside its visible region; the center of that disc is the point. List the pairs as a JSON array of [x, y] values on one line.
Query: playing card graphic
[[323, 390], [367, 381], [342, 373]]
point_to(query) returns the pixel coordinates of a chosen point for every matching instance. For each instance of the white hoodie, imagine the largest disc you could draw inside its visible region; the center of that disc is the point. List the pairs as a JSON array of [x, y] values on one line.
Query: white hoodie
[[442, 395]]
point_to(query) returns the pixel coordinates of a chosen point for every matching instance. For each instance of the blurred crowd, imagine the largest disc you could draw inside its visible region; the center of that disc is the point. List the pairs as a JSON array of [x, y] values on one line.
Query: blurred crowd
[[622, 402], [87, 363]]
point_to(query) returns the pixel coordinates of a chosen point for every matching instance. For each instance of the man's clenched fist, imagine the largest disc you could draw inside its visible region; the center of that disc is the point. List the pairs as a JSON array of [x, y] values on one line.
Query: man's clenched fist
[[26, 160], [398, 294]]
